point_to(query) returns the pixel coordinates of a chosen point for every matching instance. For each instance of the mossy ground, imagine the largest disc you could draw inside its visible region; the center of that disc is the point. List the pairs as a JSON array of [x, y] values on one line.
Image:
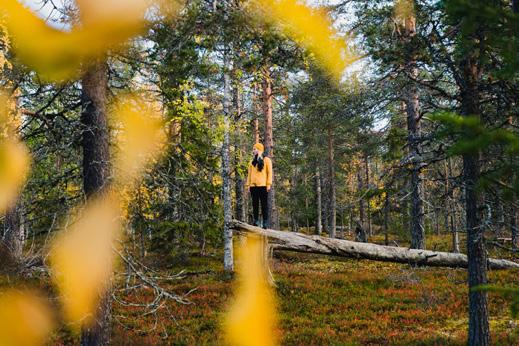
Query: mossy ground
[[331, 301]]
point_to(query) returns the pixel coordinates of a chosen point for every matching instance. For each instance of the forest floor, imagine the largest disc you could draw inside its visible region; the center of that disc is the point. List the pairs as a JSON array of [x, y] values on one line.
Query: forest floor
[[322, 301], [327, 301]]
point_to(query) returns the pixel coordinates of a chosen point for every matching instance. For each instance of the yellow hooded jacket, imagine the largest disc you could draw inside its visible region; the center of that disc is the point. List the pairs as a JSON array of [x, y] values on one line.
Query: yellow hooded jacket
[[263, 178]]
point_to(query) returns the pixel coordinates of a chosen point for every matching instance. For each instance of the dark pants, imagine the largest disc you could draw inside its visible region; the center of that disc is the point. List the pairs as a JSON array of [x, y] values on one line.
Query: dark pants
[[259, 194]]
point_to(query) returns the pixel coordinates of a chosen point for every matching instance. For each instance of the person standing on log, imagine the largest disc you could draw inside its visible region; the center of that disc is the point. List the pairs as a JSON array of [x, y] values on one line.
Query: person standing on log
[[259, 181]]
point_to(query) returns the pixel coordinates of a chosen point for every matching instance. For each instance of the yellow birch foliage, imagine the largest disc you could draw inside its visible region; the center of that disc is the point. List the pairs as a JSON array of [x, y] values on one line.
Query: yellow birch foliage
[[57, 55], [14, 157], [25, 319], [82, 258], [311, 28], [403, 9], [252, 318], [141, 137]]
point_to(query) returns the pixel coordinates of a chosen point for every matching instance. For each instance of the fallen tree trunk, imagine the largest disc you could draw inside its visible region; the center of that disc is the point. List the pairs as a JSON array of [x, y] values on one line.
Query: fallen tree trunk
[[300, 242]]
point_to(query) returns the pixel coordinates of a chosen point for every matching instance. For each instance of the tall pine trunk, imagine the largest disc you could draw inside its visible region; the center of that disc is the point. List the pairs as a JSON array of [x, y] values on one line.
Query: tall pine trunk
[[479, 332], [513, 213], [96, 172], [228, 262], [269, 143], [414, 131], [256, 101], [238, 154]]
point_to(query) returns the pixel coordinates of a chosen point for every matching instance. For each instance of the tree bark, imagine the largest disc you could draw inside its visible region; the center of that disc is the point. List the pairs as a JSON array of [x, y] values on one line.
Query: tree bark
[[513, 215], [96, 172], [414, 132], [239, 185], [269, 142], [360, 186], [331, 177], [479, 331], [228, 262], [386, 218], [300, 242], [257, 112], [514, 228], [293, 193], [453, 214], [447, 201], [318, 196], [368, 207]]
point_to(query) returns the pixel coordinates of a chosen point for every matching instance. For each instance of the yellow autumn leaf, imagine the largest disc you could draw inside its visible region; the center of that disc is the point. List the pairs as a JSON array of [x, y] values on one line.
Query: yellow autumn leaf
[[311, 28], [57, 55], [82, 258], [25, 319], [141, 136], [252, 318], [14, 167], [403, 9], [14, 158]]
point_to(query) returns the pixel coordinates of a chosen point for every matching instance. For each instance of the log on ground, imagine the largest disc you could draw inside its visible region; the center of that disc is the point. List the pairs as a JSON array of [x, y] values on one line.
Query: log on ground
[[300, 242]]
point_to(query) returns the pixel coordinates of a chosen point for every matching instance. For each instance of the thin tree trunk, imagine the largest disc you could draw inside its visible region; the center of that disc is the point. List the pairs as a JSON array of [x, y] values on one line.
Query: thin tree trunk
[[293, 187], [14, 232], [455, 234], [228, 262], [350, 221], [437, 220], [140, 224], [447, 201], [386, 219], [331, 178], [360, 187], [514, 228], [257, 111], [479, 331], [307, 206], [368, 207], [269, 143], [414, 132], [96, 172], [238, 155], [239, 186], [451, 204], [325, 191], [318, 196]]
